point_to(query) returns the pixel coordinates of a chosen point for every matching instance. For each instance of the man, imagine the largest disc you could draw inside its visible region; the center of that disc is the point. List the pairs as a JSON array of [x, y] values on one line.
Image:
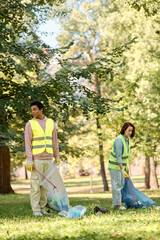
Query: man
[[41, 145]]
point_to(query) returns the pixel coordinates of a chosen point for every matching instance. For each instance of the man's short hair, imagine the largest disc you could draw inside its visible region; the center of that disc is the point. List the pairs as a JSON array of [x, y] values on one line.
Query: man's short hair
[[38, 104]]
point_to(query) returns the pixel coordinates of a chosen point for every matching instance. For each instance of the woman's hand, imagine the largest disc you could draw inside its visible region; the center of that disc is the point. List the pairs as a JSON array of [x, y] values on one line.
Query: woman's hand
[[125, 174]]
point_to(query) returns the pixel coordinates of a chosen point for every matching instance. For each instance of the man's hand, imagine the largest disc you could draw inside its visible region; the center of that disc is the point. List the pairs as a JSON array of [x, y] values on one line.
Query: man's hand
[[29, 167], [125, 174], [57, 161]]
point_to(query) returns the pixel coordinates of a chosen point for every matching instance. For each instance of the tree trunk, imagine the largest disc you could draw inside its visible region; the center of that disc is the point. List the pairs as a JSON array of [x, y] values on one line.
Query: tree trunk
[[91, 179], [5, 186], [26, 174], [101, 157], [153, 175], [91, 183], [147, 173]]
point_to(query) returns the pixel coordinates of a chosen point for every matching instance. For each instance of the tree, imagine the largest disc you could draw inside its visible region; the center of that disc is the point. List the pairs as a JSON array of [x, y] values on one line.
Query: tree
[[23, 59], [147, 173], [83, 25], [13, 51]]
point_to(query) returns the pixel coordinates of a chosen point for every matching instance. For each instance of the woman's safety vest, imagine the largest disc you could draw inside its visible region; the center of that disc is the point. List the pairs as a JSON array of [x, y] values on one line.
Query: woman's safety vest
[[112, 164], [42, 141]]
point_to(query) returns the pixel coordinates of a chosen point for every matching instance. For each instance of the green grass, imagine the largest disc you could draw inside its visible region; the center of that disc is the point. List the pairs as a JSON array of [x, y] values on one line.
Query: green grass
[[17, 221]]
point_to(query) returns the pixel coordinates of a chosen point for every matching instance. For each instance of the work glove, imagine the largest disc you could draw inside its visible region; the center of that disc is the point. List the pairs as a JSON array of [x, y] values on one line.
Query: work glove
[[125, 174], [127, 170], [57, 161], [29, 165]]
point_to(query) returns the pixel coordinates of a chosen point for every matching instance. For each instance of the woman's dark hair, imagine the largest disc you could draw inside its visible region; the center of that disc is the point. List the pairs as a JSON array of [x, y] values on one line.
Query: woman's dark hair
[[38, 104], [125, 126]]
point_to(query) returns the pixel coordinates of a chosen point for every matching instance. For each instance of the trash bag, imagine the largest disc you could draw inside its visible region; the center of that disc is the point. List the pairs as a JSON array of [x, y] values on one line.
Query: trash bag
[[57, 201], [76, 212], [134, 198], [57, 198]]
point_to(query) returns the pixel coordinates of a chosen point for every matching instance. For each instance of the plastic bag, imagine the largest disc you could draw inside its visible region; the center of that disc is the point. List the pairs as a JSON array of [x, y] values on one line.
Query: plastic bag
[[76, 212], [57, 198], [58, 201], [132, 197]]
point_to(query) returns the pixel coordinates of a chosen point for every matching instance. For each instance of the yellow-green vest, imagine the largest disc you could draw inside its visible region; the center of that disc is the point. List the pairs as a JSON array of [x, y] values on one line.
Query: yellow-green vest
[[42, 141], [112, 164]]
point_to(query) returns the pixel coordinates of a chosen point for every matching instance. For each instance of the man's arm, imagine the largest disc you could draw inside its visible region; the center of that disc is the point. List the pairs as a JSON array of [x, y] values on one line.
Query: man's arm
[[28, 144]]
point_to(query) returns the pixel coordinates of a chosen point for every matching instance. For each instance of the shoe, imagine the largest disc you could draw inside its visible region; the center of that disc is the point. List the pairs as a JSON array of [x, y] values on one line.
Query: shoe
[[37, 214], [121, 208], [63, 213], [44, 212]]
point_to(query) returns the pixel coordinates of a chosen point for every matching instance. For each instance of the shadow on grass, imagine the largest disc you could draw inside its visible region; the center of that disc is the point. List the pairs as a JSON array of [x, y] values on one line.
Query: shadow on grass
[[14, 205]]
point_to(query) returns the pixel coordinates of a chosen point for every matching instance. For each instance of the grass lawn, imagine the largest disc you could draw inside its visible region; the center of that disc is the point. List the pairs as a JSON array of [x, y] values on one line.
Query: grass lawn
[[17, 222]]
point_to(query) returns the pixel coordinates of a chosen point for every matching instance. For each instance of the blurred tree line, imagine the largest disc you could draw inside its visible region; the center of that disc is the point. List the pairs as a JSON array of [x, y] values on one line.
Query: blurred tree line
[[108, 74]]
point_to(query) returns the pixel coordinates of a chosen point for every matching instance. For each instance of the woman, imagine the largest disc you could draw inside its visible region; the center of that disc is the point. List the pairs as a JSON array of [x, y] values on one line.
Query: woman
[[118, 162]]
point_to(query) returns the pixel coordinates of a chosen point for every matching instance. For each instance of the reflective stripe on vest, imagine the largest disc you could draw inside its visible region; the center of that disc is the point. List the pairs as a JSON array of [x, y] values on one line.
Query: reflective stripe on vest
[[115, 163], [42, 141], [41, 138], [112, 164], [114, 155]]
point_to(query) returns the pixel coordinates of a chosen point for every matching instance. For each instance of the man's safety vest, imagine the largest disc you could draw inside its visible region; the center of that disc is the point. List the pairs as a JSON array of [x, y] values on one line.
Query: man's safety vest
[[42, 141], [112, 164]]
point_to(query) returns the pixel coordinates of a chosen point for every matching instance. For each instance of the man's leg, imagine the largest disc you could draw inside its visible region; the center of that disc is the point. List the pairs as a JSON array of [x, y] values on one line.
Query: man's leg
[[43, 198], [46, 168], [35, 192], [38, 193]]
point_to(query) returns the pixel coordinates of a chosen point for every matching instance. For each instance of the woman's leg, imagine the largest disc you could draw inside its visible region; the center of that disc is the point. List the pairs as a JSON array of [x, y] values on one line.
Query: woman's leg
[[117, 182]]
